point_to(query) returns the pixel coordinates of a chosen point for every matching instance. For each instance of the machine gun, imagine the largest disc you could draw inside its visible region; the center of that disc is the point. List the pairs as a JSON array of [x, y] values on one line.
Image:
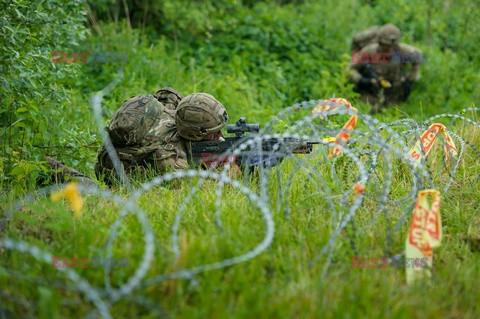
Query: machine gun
[[270, 153]]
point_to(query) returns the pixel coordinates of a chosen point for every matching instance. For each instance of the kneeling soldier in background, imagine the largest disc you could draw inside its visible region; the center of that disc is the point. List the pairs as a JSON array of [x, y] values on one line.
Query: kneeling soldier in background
[[385, 69]]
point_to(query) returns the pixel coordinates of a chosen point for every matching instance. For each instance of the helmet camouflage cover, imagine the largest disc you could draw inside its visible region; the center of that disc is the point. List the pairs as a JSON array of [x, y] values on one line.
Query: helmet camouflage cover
[[389, 35], [198, 115], [169, 97]]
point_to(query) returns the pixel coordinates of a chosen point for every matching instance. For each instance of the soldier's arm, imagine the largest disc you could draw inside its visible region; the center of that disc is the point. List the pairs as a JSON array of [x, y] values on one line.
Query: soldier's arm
[[414, 56], [353, 72], [355, 66], [172, 164], [171, 156]]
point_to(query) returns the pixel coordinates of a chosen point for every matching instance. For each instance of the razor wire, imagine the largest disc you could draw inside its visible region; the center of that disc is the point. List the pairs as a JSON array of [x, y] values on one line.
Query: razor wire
[[370, 159]]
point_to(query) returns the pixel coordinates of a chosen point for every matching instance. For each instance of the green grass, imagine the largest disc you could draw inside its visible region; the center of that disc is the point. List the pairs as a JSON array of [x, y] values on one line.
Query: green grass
[[283, 281]]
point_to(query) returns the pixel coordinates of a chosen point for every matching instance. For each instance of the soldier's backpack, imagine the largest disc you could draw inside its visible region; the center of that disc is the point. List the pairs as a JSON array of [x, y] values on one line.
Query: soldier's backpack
[[132, 121], [364, 38]]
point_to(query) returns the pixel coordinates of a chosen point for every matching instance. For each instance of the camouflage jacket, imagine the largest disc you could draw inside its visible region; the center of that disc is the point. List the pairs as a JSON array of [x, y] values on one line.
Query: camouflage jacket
[[403, 63]]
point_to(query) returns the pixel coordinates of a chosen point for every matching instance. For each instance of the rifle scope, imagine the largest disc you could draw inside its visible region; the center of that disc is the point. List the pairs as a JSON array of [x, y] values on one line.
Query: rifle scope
[[241, 127]]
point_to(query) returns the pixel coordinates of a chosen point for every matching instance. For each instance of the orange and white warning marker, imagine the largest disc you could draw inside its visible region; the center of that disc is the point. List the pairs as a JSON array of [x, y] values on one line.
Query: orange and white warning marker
[[426, 142], [425, 233], [342, 137]]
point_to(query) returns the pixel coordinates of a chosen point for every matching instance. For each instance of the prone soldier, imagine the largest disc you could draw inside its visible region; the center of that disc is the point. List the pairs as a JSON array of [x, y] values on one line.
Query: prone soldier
[[153, 131]]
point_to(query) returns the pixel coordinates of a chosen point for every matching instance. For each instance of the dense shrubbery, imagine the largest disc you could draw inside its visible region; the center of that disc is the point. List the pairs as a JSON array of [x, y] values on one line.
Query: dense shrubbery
[[35, 94], [256, 57]]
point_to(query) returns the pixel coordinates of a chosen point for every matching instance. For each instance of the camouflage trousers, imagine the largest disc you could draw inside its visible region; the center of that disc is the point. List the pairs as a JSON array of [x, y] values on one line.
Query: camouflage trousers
[[383, 98]]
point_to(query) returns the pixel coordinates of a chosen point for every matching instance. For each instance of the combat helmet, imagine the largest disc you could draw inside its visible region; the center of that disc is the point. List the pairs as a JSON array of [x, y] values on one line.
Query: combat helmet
[[198, 115], [168, 96], [389, 35]]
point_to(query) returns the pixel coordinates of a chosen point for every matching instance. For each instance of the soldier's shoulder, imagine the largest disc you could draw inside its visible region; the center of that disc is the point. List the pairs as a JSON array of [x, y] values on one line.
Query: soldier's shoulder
[[406, 48], [371, 48]]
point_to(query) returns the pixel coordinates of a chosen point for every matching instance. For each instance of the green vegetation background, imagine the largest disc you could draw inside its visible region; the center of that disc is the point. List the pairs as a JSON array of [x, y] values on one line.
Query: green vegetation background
[[256, 57]]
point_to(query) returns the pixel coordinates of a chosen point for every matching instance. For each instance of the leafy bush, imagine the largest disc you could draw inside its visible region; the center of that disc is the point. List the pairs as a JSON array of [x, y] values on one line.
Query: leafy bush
[[35, 92]]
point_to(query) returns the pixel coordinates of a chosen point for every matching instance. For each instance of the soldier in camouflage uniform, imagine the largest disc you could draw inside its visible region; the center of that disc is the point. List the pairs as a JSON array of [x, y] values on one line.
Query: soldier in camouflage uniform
[[381, 76], [153, 131]]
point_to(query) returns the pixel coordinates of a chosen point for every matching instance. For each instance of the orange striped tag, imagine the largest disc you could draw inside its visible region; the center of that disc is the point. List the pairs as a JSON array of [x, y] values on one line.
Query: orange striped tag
[[342, 138], [426, 141], [425, 234]]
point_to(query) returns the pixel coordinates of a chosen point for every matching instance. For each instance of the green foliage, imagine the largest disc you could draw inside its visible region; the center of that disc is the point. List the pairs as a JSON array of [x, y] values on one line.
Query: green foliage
[[34, 92], [256, 57]]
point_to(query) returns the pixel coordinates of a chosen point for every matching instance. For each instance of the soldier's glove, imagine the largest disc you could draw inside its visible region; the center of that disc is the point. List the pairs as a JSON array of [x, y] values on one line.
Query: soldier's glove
[[407, 88]]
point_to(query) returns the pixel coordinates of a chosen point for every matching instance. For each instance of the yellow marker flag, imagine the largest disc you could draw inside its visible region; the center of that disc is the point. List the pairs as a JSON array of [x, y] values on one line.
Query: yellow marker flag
[[342, 138], [426, 141], [71, 193], [425, 234], [329, 139]]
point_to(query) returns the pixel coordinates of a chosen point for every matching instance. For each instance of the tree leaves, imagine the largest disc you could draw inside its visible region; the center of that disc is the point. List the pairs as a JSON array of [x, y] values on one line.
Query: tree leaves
[[26, 39]]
